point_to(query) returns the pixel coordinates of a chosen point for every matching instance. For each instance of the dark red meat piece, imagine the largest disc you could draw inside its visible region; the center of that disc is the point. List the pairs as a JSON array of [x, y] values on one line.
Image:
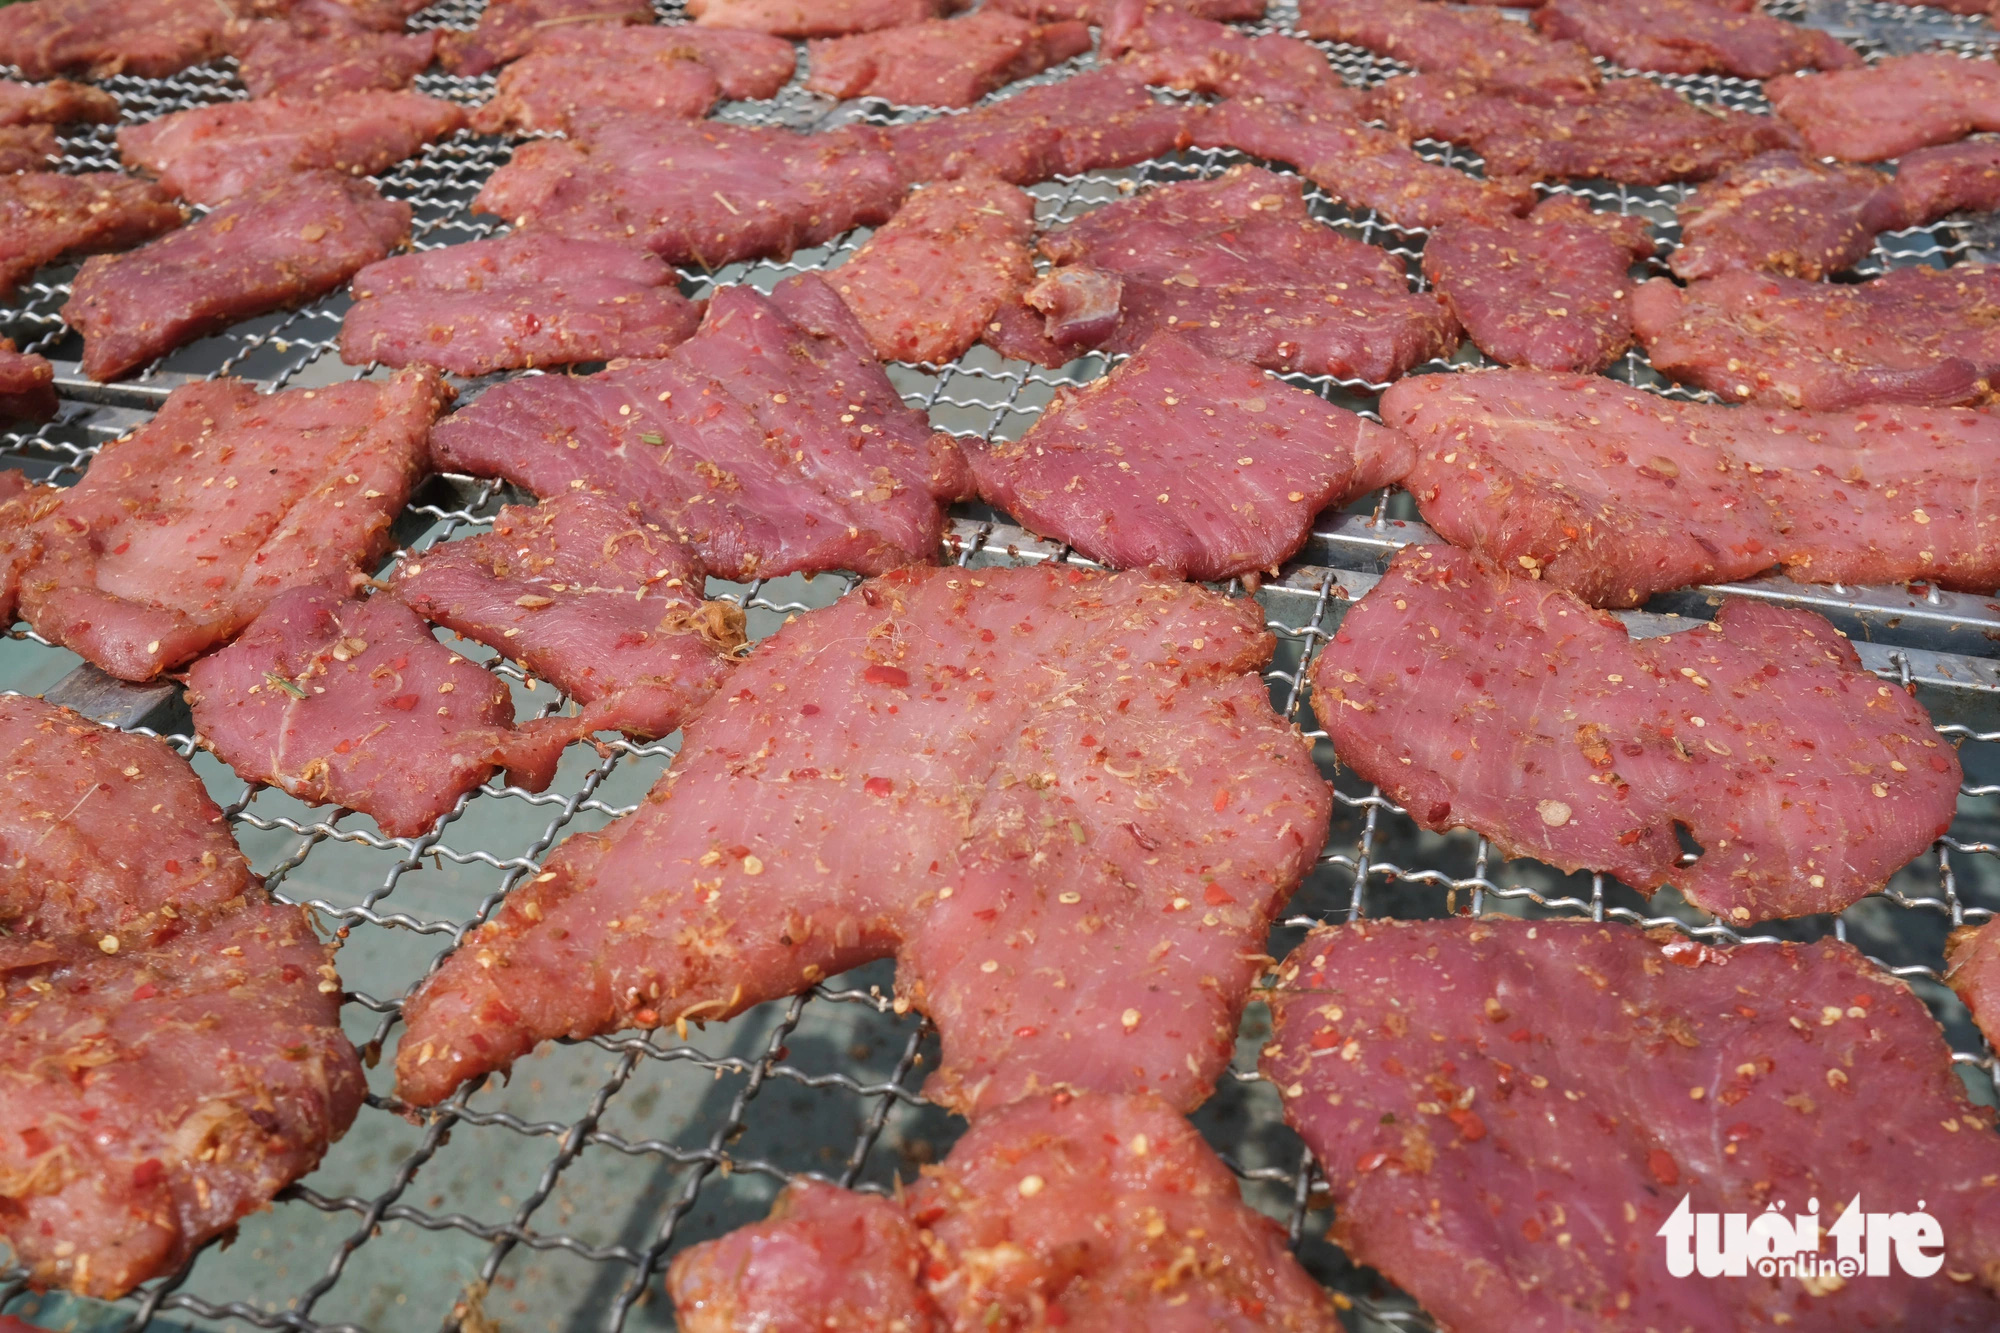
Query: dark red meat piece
[[1973, 972], [1779, 213], [1889, 108], [816, 18], [1692, 37], [1179, 50], [45, 216], [1079, 304], [940, 62], [27, 386], [1494, 52], [280, 58], [681, 71], [57, 103], [149, 39], [508, 29], [1932, 183], [23, 506], [1100, 11], [27, 148]]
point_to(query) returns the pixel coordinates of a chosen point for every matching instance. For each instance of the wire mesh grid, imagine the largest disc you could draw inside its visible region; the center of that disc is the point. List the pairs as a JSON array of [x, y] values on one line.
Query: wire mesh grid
[[600, 1159]]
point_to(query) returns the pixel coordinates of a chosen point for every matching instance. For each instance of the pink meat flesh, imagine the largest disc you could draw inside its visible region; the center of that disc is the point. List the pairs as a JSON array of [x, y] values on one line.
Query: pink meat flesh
[[1100, 11], [57, 103], [598, 68], [149, 39], [1973, 972], [45, 217], [1932, 183], [1180, 50], [1891, 107], [940, 62], [27, 148], [1779, 213], [1490, 50], [508, 29], [275, 58], [27, 389], [24, 505], [1693, 37], [816, 18]]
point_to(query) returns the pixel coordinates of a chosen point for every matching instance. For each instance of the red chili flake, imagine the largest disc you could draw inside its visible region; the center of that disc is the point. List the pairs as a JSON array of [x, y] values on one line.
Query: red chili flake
[[1088, 742], [809, 710], [1222, 799], [878, 786], [148, 1173], [1392, 1065], [1371, 1161], [1520, 1034], [36, 1141], [647, 1018], [987, 913], [1940, 763], [1532, 1228], [1661, 1167], [1469, 1124], [1324, 1040], [878, 674], [148, 990], [1215, 895], [403, 703], [1055, 1317], [173, 867], [1861, 1001], [345, 747], [1026, 1032], [986, 636]]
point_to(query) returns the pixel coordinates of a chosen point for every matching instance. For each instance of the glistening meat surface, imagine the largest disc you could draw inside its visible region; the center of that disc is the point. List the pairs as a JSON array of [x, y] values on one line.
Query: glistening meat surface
[[573, 74], [509, 29], [58, 103], [150, 39], [1887, 109], [307, 59], [45, 216], [941, 62], [1779, 213], [1193, 54]]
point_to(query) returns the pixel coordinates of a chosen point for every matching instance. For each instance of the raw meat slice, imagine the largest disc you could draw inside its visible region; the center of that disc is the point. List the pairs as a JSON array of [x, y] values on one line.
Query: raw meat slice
[[23, 505], [1194, 54], [1550, 290], [1080, 767], [181, 532], [1239, 267], [1932, 183], [281, 244], [706, 194], [27, 148], [1505, 1084], [678, 71], [149, 39], [1494, 52], [583, 595], [1633, 131], [1099, 11], [940, 62], [1779, 213], [1542, 725], [45, 217], [1614, 493], [1891, 107], [1125, 472], [27, 389], [816, 18], [508, 29], [522, 300], [280, 58], [57, 103], [930, 278], [1111, 1213], [370, 15], [1972, 958], [159, 1096], [1913, 335], [749, 65], [350, 703], [1692, 37], [770, 442], [211, 154]]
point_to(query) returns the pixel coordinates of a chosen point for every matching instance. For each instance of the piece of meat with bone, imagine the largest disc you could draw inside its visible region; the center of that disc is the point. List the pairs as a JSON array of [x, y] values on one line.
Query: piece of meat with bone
[[607, 608], [303, 59], [1615, 494], [148, 39], [182, 531], [1550, 290], [598, 68], [1632, 131], [1932, 183], [1079, 766], [279, 245], [57, 103], [23, 506], [1892, 107], [1913, 335], [1807, 781], [771, 442], [27, 148], [1693, 37], [1779, 213], [522, 300], [940, 62], [928, 281], [1226, 491], [1512, 1114], [1112, 1212], [1494, 52], [817, 18], [45, 216], [27, 390], [509, 29], [161, 1095], [1178, 50], [211, 154], [1972, 958]]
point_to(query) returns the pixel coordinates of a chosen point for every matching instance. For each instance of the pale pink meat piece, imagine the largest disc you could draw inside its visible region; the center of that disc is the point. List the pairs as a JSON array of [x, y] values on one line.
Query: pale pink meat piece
[[27, 390], [597, 68], [941, 62], [817, 18], [509, 29], [45, 217], [23, 506], [1542, 725], [1517, 1120], [181, 532], [1693, 37], [1932, 183], [58, 103], [149, 39], [521, 300], [1780, 213], [1972, 956], [1494, 52], [1078, 767], [1891, 107], [1180, 50], [27, 148], [307, 59]]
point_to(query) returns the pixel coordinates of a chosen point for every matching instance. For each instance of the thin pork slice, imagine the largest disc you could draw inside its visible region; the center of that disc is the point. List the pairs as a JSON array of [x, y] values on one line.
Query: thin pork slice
[[1972, 957], [607, 608], [149, 39], [508, 29], [1533, 1124], [770, 442], [1779, 213], [211, 154], [1913, 335], [940, 62], [1932, 183], [1494, 52], [816, 18], [23, 506], [57, 103], [278, 246], [928, 281], [27, 388], [45, 217], [1550, 290], [1891, 107], [1507, 706], [1078, 767], [522, 300], [27, 148], [1180, 50], [1186, 464], [278, 58], [597, 68], [1693, 37], [181, 532]]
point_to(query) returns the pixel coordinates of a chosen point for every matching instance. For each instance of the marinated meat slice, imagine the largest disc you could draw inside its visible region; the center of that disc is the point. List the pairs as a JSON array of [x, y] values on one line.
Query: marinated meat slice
[[705, 194], [1239, 267], [280, 245], [1779, 213], [930, 278], [27, 148], [1614, 493], [1692, 37], [57, 103], [1540, 724], [45, 217], [1233, 487], [149, 39], [1891, 107], [1510, 1083], [371, 15], [598, 68], [354, 703], [1494, 52], [1973, 971], [1099, 11], [27, 390], [816, 18], [521, 300], [1089, 762], [1550, 290], [161, 1095], [211, 154], [749, 65], [1194, 54], [1913, 335], [1111, 1212], [1932, 183], [606, 608], [1633, 131], [181, 532], [277, 58], [23, 505], [770, 442], [509, 29], [940, 62]]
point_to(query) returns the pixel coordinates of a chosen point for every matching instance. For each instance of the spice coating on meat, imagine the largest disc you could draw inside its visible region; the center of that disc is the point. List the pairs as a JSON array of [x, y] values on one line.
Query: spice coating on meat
[[1193, 54], [1078, 767], [57, 103], [24, 505], [27, 393], [1692, 37], [27, 148], [816, 18], [1779, 213], [1492, 51], [279, 245], [158, 1097], [1509, 707], [45, 216], [598, 68], [182, 531], [277, 58], [150, 39], [1972, 956], [1891, 107], [940, 62], [521, 300], [1508, 1113], [509, 29], [1934, 182], [1123, 470]]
